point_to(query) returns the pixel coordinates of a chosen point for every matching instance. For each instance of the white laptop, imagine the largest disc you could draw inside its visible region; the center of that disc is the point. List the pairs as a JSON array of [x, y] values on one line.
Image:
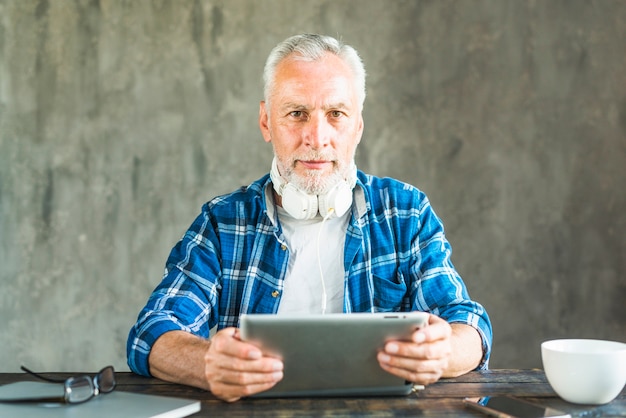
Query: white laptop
[[331, 354], [114, 404]]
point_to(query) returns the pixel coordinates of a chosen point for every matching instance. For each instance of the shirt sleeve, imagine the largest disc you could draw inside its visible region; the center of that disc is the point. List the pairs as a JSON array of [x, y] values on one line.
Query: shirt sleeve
[[186, 297], [439, 288]]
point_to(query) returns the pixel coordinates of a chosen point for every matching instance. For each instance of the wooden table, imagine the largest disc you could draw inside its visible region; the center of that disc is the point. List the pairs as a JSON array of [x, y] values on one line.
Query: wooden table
[[441, 399]]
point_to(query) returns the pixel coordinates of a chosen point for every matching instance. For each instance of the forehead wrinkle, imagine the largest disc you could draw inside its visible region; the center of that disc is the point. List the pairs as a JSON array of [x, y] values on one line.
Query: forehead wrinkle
[[293, 105], [324, 106]]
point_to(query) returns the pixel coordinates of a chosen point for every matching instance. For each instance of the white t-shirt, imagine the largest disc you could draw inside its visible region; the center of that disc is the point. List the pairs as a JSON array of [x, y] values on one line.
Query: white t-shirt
[[304, 284]]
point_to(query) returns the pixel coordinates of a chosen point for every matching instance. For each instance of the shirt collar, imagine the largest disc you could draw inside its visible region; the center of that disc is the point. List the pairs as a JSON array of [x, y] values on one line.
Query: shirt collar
[[270, 203]]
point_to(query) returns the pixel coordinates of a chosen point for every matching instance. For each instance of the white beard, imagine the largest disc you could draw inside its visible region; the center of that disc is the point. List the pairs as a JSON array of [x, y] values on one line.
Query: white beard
[[312, 182]]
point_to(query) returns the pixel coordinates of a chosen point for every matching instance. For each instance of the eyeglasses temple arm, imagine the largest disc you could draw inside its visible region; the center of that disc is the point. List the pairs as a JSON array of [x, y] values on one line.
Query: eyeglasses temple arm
[[35, 400], [38, 376]]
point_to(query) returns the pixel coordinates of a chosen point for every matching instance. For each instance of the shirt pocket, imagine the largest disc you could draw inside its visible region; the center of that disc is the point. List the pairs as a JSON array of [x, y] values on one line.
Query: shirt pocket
[[389, 292]]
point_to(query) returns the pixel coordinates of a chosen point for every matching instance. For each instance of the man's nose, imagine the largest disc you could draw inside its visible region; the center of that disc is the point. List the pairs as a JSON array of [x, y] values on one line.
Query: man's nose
[[317, 132]]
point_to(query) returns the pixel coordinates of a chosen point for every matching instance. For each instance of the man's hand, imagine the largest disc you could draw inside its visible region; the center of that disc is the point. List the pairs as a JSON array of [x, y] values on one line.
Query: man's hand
[[225, 365], [423, 359], [235, 369], [434, 351]]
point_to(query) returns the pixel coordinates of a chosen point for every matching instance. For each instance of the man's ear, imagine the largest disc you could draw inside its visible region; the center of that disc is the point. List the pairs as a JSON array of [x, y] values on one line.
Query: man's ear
[[264, 122], [360, 128]]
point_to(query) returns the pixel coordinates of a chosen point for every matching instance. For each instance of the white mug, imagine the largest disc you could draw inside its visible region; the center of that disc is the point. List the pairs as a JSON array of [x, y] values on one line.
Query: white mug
[[585, 371]]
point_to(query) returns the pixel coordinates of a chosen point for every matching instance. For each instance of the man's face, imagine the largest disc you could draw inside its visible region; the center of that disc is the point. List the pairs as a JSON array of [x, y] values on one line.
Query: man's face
[[315, 123]]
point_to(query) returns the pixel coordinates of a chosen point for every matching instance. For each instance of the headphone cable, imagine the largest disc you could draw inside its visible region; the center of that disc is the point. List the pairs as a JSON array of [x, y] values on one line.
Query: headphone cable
[[319, 259]]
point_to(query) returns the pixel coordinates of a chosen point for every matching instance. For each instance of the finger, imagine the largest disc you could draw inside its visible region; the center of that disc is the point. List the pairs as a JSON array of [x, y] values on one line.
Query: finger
[[227, 342], [426, 373], [263, 365], [425, 351], [232, 393], [413, 362], [250, 375], [437, 329]]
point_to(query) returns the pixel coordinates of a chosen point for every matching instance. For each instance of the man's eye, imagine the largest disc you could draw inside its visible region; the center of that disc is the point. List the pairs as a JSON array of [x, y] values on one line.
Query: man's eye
[[297, 114], [336, 114]]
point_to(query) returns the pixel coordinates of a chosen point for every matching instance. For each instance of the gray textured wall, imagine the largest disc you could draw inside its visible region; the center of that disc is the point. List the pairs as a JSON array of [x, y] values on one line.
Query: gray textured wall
[[118, 119]]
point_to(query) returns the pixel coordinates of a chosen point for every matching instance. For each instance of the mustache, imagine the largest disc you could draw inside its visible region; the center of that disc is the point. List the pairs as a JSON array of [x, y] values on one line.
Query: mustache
[[313, 156]]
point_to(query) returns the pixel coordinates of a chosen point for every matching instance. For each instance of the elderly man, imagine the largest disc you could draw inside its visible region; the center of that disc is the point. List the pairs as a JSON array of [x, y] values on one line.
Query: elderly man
[[259, 249]]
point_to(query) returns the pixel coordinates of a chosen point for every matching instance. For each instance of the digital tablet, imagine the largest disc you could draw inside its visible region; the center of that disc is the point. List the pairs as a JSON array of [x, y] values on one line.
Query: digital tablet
[[331, 354]]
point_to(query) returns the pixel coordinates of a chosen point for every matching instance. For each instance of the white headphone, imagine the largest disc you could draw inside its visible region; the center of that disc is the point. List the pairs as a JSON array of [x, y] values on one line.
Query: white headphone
[[301, 205]]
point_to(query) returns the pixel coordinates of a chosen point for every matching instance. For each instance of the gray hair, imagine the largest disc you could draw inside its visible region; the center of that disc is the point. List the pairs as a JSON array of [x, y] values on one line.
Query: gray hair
[[310, 47]]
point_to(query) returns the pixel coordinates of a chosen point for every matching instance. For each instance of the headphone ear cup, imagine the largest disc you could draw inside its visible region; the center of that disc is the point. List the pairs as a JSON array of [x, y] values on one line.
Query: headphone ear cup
[[298, 204], [339, 199], [301, 205]]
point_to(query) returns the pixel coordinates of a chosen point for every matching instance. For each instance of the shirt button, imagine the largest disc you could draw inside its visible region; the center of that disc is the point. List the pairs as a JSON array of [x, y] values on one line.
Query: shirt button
[[283, 247], [275, 293]]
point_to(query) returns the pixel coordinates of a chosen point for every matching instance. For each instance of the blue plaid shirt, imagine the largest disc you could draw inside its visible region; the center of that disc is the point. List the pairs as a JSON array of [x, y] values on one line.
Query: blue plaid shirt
[[234, 257]]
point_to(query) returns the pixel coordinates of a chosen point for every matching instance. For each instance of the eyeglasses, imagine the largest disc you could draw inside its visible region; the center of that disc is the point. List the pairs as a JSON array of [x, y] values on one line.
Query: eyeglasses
[[77, 389]]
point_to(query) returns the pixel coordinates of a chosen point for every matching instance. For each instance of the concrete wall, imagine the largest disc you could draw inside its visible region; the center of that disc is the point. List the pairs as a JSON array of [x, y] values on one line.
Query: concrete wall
[[118, 119]]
